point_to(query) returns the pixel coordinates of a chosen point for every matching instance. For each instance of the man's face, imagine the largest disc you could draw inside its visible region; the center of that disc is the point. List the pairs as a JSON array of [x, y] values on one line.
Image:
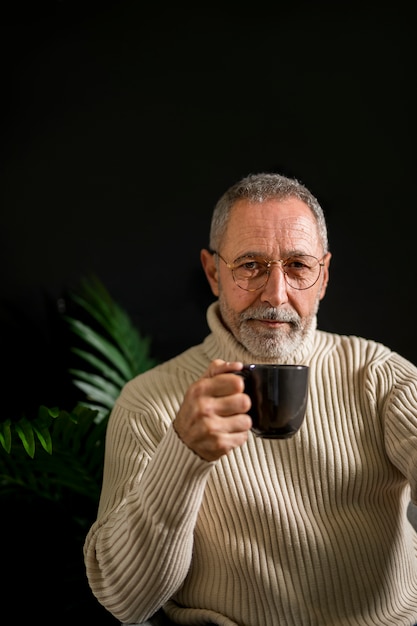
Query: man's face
[[272, 321]]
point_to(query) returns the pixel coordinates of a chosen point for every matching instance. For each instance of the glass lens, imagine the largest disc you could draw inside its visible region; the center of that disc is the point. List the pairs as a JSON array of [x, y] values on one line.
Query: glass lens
[[250, 273], [301, 272]]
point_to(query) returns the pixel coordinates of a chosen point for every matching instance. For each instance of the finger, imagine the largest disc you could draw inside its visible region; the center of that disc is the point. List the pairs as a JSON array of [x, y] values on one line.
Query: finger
[[228, 405], [218, 366], [225, 384], [229, 425]]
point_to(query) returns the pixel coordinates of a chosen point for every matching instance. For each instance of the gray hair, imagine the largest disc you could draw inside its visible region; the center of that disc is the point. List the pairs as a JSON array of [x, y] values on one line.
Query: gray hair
[[258, 188]]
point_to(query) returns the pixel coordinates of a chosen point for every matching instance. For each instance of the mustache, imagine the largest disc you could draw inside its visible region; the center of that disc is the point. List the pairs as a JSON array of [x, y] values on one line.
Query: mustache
[[270, 314]]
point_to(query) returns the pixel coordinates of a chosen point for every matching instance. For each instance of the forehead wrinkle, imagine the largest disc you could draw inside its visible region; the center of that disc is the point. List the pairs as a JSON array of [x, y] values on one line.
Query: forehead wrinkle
[[285, 236]]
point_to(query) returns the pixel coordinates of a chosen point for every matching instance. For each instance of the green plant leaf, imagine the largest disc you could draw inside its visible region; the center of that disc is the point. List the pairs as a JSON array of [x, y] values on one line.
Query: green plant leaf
[[6, 434], [104, 395], [25, 431], [96, 300], [57, 453], [115, 351], [102, 345], [44, 437], [100, 365]]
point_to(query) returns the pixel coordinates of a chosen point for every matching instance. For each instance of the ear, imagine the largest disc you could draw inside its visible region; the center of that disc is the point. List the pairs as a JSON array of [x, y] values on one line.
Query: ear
[[325, 279], [209, 264]]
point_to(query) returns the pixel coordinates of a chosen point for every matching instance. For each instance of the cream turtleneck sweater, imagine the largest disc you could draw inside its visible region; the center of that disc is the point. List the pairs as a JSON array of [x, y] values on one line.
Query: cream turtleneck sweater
[[306, 531]]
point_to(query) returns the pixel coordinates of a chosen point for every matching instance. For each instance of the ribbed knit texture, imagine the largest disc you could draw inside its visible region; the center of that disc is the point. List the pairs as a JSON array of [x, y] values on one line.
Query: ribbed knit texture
[[310, 531]]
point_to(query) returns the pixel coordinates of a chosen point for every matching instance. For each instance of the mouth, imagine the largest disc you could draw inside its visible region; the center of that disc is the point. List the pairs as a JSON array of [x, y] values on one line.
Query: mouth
[[269, 323]]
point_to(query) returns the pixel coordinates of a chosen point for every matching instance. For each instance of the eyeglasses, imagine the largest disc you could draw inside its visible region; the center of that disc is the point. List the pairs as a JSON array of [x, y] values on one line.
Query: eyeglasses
[[251, 273]]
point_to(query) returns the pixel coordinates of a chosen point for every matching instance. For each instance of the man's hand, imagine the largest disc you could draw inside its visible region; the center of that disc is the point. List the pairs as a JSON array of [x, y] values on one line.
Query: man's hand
[[213, 417]]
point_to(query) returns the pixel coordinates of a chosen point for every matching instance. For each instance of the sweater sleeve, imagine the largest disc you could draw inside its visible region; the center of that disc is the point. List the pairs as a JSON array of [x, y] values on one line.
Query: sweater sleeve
[[400, 382], [138, 551]]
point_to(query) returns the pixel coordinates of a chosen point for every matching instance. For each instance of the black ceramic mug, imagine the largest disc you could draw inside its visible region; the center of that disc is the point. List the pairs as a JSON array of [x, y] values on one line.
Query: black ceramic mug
[[279, 395]]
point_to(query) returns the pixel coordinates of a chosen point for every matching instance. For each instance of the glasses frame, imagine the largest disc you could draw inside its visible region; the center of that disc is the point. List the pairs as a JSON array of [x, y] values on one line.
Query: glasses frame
[[269, 263]]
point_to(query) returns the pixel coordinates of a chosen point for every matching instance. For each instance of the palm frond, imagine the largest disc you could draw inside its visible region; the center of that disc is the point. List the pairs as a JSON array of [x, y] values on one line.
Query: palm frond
[[76, 461], [99, 365], [113, 346], [59, 451], [103, 346], [28, 431], [111, 318]]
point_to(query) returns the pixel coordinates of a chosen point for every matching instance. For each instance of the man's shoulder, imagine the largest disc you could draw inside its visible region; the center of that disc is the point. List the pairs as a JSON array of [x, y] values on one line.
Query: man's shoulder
[[187, 366], [162, 387], [349, 343]]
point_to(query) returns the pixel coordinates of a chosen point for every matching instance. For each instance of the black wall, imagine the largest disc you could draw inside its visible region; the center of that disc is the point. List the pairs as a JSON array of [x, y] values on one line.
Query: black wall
[[122, 125]]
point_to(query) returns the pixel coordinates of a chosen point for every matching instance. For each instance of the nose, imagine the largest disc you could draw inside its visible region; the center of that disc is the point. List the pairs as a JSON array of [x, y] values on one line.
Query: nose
[[275, 291]]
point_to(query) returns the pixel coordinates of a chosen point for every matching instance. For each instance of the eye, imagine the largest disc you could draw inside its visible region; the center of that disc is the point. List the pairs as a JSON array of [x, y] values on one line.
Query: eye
[[301, 263], [250, 265], [296, 263]]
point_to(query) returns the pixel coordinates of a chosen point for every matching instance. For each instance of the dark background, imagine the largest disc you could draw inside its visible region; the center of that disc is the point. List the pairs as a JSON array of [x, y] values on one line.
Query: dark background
[[123, 123], [122, 127]]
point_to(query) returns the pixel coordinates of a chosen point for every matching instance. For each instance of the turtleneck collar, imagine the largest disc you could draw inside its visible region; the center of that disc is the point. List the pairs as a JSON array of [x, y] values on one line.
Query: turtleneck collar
[[221, 344]]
